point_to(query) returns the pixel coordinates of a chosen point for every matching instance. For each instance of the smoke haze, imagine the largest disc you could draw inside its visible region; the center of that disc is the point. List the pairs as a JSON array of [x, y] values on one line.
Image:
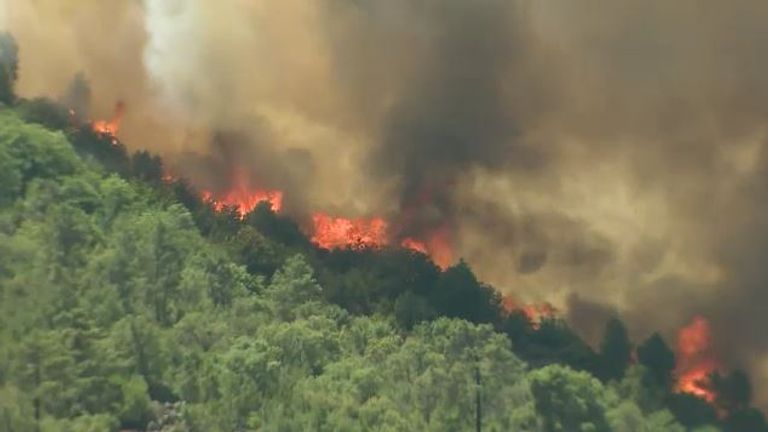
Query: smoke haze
[[606, 156]]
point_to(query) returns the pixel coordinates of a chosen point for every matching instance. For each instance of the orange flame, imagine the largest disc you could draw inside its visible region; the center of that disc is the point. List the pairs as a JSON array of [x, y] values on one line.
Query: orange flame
[[169, 177], [329, 232], [535, 313], [335, 232], [695, 360], [415, 245], [244, 198], [437, 246], [338, 232], [110, 127]]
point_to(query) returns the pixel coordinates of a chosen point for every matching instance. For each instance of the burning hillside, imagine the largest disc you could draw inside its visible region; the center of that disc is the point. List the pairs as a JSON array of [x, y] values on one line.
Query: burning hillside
[[612, 151], [535, 313], [337, 232], [334, 232], [243, 198], [111, 127]]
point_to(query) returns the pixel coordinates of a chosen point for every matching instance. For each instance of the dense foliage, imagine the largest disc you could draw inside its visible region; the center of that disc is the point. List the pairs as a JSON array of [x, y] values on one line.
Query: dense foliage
[[127, 303]]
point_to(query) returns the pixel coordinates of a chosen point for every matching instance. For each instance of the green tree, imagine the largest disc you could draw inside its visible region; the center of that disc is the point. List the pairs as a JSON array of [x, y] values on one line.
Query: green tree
[[31, 152], [437, 370], [146, 167], [555, 342], [137, 346], [411, 309], [83, 423], [638, 386], [459, 294], [615, 351], [9, 68], [45, 370], [17, 411], [153, 251], [275, 226], [292, 288], [568, 400], [746, 420], [134, 409], [258, 253], [733, 391], [44, 112], [656, 356], [691, 411]]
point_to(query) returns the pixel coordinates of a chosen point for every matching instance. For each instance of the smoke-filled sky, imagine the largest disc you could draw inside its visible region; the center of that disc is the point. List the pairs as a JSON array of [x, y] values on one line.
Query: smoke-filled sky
[[604, 155]]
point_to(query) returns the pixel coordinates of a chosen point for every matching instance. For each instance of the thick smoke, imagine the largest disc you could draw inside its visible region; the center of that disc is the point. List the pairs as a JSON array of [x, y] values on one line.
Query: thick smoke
[[607, 156], [454, 111]]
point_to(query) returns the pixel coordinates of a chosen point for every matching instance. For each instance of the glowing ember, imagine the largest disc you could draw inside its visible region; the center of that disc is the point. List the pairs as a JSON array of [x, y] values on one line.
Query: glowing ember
[[695, 361], [334, 233], [168, 177], [535, 313], [110, 127]]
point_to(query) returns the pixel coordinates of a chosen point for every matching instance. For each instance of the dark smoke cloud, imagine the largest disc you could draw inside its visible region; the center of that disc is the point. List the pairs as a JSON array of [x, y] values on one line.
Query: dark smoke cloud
[[454, 112], [600, 155], [589, 317], [78, 97], [232, 157]]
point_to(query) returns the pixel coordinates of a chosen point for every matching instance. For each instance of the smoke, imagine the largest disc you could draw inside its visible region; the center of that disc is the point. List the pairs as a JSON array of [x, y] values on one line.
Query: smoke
[[603, 156], [77, 97]]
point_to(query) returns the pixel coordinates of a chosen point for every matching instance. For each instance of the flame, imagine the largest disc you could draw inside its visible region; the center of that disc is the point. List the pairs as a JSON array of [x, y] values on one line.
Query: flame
[[336, 232], [329, 232], [415, 245], [438, 246], [535, 313], [169, 177], [109, 127], [245, 200], [695, 360], [243, 197]]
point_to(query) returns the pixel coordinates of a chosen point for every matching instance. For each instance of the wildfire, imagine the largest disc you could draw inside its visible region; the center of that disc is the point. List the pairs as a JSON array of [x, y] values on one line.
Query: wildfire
[[245, 201], [535, 313], [695, 360], [110, 127], [335, 232], [437, 246], [244, 198], [415, 245], [338, 232], [169, 177], [329, 232]]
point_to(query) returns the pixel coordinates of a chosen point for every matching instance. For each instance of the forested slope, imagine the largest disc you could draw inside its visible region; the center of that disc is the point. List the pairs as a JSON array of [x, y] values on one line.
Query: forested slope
[[127, 303]]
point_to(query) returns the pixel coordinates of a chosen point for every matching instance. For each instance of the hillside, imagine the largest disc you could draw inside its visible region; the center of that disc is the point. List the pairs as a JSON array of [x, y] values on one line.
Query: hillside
[[127, 302]]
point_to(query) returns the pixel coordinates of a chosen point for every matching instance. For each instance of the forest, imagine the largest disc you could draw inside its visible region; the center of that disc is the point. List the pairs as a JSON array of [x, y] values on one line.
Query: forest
[[129, 303]]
